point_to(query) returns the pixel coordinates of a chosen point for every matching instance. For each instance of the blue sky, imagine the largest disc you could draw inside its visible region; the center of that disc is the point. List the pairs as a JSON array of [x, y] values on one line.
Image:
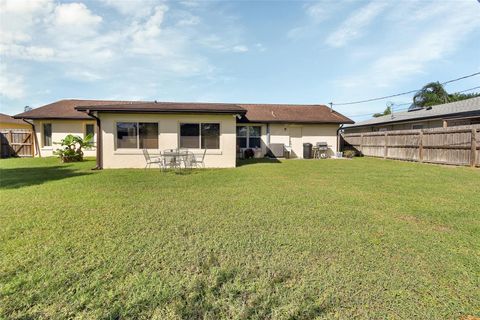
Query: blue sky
[[234, 51]]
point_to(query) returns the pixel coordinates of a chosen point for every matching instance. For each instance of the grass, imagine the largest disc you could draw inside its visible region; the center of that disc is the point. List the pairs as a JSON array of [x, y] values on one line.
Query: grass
[[367, 239]]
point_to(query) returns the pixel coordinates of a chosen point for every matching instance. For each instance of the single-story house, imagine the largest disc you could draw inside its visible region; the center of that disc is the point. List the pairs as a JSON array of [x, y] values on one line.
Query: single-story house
[[124, 128], [459, 113], [8, 122]]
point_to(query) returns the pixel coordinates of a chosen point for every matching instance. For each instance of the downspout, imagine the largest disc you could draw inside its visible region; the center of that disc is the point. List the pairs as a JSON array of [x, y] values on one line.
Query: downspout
[[338, 137], [37, 146], [99, 142]]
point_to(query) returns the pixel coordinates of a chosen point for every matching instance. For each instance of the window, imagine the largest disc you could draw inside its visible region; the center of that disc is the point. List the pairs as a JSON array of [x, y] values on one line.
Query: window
[[189, 135], [47, 134], [249, 136], [148, 135], [242, 136], [254, 136], [89, 129], [417, 126], [200, 135], [134, 135]]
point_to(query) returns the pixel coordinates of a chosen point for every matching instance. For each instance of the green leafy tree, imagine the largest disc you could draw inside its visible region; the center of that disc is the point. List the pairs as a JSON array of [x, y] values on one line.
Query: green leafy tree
[[387, 111], [434, 93], [72, 147], [431, 94]]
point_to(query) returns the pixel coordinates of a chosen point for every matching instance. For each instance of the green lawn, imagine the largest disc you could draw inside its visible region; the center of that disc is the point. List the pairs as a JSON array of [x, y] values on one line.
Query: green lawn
[[365, 238]]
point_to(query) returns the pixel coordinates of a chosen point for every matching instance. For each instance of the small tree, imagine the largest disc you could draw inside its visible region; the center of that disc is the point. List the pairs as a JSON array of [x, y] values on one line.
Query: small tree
[[72, 147]]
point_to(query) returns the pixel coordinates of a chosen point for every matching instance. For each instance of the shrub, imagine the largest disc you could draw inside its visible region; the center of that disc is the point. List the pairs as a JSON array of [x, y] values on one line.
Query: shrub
[[72, 146], [349, 153]]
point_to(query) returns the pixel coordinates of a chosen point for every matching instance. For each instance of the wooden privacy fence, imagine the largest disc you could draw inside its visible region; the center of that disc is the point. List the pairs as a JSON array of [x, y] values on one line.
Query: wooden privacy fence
[[455, 146], [16, 143]]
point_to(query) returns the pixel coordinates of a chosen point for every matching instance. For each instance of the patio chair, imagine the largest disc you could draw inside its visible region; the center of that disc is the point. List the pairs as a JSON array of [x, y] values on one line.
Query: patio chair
[[149, 161], [198, 163]]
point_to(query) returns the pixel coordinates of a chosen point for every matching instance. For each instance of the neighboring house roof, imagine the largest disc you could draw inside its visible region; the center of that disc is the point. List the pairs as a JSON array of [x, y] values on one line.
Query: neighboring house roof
[[65, 109], [292, 113], [286, 113], [5, 118], [468, 107]]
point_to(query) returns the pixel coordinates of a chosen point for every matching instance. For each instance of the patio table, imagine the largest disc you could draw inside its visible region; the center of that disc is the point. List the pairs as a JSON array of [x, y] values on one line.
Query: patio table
[[173, 158]]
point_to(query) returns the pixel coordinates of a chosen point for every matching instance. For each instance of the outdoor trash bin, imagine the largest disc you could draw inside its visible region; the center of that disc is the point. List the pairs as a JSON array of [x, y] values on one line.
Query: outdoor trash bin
[[307, 151]]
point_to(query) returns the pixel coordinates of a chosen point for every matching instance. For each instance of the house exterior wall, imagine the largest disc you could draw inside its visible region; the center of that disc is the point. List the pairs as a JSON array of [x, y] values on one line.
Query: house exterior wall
[[168, 138], [295, 135], [60, 129]]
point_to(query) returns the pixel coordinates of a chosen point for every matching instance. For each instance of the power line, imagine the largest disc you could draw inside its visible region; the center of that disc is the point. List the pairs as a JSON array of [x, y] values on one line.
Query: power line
[[402, 93], [467, 90], [407, 103]]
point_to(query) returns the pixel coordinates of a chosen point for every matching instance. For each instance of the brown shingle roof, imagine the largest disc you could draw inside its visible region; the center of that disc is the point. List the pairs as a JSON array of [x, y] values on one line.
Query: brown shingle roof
[[65, 109], [168, 107], [292, 113], [73, 109], [5, 118]]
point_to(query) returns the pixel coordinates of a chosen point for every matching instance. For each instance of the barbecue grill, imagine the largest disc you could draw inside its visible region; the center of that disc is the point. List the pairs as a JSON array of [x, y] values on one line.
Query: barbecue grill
[[322, 148]]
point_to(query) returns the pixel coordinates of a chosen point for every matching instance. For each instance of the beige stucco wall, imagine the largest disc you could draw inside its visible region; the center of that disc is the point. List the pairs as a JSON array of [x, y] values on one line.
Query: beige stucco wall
[[295, 135], [61, 128], [168, 138]]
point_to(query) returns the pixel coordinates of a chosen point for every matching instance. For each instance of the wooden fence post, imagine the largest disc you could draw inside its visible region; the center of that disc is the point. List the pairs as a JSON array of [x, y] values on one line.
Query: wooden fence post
[[385, 150], [473, 148], [10, 141], [361, 143], [420, 146]]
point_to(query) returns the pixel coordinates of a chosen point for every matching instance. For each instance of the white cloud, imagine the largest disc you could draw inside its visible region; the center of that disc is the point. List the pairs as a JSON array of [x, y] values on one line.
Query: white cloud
[[27, 52], [240, 48], [354, 26], [447, 28], [12, 84], [146, 33], [75, 19], [260, 47], [18, 18], [134, 8], [316, 13]]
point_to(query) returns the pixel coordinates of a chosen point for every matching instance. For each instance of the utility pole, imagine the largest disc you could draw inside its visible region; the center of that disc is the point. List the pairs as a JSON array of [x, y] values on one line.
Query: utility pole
[[331, 106]]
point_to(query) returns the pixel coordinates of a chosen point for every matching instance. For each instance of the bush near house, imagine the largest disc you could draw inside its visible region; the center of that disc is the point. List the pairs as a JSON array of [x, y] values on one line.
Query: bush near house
[[360, 239], [72, 147]]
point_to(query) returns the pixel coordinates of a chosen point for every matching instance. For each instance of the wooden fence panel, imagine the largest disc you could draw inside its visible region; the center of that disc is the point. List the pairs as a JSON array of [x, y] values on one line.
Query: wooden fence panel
[[16, 143], [456, 145]]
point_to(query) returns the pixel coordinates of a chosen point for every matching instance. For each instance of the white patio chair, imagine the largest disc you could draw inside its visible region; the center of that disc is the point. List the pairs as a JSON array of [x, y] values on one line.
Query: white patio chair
[[149, 161], [198, 163]]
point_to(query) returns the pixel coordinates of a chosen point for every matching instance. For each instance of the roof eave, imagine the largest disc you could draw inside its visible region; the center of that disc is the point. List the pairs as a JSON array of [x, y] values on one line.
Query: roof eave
[[86, 117], [147, 110], [296, 121]]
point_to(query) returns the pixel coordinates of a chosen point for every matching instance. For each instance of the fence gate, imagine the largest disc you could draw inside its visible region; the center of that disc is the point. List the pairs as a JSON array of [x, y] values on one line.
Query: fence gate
[[16, 143]]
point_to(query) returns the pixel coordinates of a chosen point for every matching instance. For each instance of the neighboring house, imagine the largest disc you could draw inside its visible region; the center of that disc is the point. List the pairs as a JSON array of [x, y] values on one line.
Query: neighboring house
[[452, 114], [8, 122], [125, 128]]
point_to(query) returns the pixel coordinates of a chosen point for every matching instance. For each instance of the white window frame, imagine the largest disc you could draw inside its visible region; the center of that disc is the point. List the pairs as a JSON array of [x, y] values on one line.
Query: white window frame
[[138, 135], [248, 136], [200, 134]]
